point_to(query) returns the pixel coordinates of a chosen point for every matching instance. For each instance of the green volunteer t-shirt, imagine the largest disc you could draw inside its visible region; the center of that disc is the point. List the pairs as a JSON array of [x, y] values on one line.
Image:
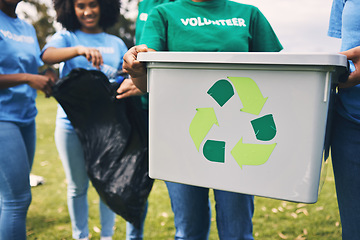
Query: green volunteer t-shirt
[[145, 7], [211, 26]]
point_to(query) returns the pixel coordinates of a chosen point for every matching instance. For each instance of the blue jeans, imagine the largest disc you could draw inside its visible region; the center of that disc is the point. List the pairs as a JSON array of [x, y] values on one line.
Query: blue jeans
[[133, 233], [191, 207], [72, 157], [345, 151], [17, 149]]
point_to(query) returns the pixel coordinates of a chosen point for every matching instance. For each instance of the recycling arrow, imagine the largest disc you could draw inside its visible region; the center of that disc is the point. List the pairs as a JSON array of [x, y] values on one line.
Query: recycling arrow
[[253, 101], [221, 91], [252, 154], [214, 151], [201, 124], [249, 93], [264, 127]]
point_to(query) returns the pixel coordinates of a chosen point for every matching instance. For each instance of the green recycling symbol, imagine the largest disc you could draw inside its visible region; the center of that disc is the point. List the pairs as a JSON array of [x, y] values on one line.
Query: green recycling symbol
[[253, 101]]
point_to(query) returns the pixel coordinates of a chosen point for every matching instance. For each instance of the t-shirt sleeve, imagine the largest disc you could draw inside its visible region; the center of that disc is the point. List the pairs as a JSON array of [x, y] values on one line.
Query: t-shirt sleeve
[[58, 40], [154, 33], [335, 21], [122, 49], [37, 49], [140, 21], [263, 37]]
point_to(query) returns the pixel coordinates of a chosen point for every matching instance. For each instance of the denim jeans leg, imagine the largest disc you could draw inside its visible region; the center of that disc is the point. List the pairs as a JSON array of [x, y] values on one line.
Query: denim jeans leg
[[107, 219], [72, 158], [16, 146], [133, 233], [192, 212], [345, 153], [29, 135], [234, 212]]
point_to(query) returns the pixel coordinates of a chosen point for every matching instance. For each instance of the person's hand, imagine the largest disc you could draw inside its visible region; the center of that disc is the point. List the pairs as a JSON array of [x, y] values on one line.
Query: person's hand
[[354, 77], [51, 73], [135, 68], [42, 83], [93, 55], [128, 89]]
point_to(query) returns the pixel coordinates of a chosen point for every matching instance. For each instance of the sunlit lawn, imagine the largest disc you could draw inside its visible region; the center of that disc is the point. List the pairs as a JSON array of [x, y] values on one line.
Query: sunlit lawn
[[274, 219]]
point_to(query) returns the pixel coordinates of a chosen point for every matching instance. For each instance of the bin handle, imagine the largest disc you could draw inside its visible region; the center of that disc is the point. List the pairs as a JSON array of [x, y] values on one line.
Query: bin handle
[[326, 90]]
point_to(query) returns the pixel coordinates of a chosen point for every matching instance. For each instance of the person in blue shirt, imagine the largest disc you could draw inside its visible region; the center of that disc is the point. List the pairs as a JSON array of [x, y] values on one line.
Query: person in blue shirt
[[19, 82], [345, 144], [84, 44]]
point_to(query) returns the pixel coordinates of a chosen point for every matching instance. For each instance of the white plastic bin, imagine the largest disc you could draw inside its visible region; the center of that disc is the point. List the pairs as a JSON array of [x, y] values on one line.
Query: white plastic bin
[[251, 123]]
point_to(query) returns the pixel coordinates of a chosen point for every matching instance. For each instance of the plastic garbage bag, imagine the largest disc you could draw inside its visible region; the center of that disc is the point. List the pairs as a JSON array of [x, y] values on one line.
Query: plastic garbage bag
[[113, 134]]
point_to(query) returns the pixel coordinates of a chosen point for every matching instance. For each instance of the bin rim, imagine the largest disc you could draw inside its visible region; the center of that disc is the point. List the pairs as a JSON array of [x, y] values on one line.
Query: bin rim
[[262, 58]]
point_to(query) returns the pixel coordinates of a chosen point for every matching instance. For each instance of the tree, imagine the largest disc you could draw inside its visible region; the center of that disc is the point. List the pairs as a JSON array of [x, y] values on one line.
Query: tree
[[125, 27], [42, 21]]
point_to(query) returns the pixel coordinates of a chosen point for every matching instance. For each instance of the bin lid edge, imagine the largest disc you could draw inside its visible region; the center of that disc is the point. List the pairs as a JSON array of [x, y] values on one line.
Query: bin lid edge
[[277, 58]]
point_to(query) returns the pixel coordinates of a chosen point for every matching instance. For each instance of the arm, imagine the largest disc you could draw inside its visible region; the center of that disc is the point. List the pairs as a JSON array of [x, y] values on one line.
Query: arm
[[55, 55], [354, 77], [39, 82], [135, 68]]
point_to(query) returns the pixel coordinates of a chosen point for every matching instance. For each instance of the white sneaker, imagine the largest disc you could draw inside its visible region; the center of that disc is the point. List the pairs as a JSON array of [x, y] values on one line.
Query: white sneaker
[[36, 180], [106, 238]]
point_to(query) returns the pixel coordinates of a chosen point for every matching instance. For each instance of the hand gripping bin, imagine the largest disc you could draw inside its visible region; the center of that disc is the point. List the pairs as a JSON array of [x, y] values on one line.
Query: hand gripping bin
[[251, 123]]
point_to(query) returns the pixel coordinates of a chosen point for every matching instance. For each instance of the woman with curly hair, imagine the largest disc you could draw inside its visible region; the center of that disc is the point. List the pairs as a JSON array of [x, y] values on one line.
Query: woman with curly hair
[[84, 44]]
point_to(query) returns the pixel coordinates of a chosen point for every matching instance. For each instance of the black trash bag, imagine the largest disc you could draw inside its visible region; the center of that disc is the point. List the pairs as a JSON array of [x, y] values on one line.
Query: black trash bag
[[114, 137]]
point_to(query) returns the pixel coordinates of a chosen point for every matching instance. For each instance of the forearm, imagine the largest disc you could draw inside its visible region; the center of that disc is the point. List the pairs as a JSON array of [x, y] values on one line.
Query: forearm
[[56, 55], [36, 81], [11, 80], [136, 69]]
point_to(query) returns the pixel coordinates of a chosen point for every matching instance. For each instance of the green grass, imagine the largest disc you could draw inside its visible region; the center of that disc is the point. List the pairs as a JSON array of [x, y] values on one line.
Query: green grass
[[274, 219]]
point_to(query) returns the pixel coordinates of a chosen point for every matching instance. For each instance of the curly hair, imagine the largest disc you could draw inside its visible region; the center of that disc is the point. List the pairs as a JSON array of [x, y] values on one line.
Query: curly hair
[[65, 13]]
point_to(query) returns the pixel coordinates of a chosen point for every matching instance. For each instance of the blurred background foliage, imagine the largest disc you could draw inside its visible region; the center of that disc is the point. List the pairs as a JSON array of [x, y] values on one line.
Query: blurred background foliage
[[42, 16]]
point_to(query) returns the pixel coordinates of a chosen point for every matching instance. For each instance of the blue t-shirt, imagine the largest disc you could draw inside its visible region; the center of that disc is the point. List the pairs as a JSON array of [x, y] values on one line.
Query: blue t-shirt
[[20, 53], [345, 24], [111, 48]]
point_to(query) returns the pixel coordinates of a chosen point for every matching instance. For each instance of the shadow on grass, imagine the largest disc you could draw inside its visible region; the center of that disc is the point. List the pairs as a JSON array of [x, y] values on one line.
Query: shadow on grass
[[52, 228]]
